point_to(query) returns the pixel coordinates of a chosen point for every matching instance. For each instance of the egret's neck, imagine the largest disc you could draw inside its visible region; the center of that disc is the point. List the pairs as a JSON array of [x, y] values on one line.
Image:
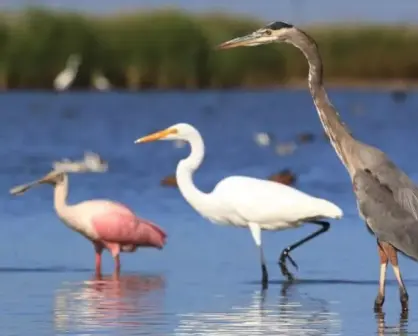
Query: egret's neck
[[184, 175], [60, 197], [340, 137]]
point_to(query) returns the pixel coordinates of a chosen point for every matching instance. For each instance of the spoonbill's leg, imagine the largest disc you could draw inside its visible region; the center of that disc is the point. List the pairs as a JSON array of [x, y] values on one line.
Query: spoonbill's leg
[[98, 249], [115, 250], [380, 299], [117, 264], [256, 233], [285, 253], [393, 259]]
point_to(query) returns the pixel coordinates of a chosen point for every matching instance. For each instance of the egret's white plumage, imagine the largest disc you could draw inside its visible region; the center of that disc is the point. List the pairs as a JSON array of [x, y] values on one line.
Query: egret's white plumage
[[66, 77], [272, 205], [245, 201]]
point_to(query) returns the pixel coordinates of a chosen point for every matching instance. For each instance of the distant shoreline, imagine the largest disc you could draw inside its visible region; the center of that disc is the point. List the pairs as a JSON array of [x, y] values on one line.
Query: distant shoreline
[[397, 85], [164, 50]]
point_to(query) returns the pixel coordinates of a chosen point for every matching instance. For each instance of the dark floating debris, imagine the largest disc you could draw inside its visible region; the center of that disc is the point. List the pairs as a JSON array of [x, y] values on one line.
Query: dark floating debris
[[305, 137], [399, 95], [285, 177], [169, 181]]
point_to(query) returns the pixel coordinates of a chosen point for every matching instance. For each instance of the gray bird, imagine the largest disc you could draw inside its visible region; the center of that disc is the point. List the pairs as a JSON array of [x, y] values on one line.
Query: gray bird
[[386, 198]]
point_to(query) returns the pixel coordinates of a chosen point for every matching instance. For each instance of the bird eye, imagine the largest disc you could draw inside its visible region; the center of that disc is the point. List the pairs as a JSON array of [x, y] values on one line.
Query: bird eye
[[268, 32]]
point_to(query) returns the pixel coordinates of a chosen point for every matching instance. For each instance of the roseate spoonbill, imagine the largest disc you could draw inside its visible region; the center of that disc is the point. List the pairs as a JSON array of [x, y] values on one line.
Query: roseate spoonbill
[[247, 202], [66, 77], [386, 198], [107, 224]]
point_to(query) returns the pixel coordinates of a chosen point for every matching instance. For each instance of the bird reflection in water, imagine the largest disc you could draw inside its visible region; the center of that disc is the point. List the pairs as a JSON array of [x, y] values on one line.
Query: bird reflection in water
[[293, 315], [114, 302], [400, 329]]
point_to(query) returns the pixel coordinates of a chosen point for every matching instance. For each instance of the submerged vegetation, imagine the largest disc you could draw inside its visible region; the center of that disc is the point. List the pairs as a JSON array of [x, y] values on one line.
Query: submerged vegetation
[[173, 50]]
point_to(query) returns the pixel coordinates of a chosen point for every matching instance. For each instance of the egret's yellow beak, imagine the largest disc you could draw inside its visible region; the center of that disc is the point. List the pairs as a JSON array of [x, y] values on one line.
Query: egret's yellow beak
[[157, 135]]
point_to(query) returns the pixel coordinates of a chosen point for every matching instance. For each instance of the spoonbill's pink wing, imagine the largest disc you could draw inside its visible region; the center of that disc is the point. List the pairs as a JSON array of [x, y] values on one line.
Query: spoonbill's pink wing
[[125, 228]]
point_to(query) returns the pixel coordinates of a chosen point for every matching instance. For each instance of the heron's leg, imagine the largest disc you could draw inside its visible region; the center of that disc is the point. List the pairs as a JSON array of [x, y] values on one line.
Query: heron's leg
[[380, 299], [285, 253], [393, 258], [98, 249], [256, 233]]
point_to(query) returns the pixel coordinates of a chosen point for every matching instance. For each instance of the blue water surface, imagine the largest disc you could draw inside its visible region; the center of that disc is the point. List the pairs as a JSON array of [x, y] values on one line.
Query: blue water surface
[[207, 279]]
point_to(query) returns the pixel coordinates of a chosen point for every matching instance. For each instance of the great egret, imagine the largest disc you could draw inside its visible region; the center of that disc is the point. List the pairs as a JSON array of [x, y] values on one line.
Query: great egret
[[386, 198], [247, 202], [66, 77]]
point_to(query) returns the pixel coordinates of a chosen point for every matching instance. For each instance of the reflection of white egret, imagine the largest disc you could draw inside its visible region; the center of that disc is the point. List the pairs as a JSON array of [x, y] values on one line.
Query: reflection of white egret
[[127, 302], [291, 317], [67, 76], [263, 139], [100, 82]]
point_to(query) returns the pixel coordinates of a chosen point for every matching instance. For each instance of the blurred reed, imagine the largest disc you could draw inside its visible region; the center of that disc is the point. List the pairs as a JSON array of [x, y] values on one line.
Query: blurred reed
[[169, 49]]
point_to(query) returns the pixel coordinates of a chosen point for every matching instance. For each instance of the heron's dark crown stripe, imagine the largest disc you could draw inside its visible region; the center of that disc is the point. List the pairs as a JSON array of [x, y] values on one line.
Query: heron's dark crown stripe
[[278, 25]]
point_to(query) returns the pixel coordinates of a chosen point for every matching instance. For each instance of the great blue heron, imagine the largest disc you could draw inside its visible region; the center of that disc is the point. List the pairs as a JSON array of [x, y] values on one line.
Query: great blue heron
[[386, 198]]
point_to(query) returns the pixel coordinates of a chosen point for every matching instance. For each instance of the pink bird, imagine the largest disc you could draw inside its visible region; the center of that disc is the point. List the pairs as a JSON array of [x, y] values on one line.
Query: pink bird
[[108, 225]]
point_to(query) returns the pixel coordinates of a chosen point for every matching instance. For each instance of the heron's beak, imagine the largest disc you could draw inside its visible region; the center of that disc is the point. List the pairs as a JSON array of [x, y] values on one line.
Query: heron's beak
[[252, 39], [157, 135]]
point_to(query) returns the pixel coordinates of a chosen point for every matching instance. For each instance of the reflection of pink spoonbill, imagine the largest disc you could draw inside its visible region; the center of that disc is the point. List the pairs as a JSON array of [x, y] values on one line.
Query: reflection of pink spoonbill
[[105, 223]]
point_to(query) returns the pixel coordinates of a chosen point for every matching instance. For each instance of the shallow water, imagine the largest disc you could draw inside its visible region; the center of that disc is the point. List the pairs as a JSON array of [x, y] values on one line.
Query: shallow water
[[206, 280]]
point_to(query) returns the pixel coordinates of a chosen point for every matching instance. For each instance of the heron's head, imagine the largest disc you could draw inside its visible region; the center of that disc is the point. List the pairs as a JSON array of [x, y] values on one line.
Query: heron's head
[[180, 131], [274, 32]]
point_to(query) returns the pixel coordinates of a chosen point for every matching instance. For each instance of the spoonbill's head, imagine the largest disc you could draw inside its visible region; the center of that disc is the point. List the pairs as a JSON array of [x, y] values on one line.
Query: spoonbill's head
[[180, 131], [52, 178], [274, 32]]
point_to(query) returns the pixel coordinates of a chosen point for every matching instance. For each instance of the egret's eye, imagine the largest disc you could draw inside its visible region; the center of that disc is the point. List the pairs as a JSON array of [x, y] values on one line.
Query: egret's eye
[[268, 32]]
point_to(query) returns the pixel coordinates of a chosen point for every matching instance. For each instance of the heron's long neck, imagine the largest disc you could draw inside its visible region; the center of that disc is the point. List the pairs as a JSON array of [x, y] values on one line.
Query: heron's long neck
[[340, 137], [60, 197], [184, 175]]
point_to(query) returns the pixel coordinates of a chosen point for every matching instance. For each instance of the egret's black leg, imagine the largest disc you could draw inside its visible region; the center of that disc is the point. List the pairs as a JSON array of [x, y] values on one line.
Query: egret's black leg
[[265, 276], [256, 233], [285, 253]]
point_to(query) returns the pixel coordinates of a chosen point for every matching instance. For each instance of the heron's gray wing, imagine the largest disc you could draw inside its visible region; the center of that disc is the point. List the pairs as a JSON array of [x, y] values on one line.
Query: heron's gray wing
[[405, 192], [388, 220]]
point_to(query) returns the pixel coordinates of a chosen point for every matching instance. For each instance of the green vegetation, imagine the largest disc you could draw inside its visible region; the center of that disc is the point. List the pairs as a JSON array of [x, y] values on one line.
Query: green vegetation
[[173, 50]]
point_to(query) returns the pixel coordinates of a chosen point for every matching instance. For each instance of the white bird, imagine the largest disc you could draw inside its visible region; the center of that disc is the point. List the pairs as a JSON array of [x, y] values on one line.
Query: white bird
[[100, 82], [262, 139], [247, 202], [66, 77]]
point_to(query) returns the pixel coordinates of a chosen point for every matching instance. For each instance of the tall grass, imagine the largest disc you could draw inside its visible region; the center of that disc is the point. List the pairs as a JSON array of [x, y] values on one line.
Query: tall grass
[[170, 49]]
